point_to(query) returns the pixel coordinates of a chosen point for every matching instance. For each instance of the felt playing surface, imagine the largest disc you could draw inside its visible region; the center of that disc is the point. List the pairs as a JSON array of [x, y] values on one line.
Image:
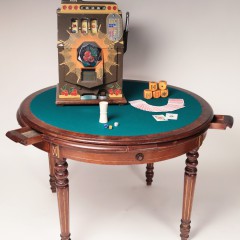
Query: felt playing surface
[[132, 121]]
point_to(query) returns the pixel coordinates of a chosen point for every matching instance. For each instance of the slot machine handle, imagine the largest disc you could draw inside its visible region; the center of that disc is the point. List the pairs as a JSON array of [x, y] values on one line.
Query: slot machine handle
[[127, 21], [125, 33]]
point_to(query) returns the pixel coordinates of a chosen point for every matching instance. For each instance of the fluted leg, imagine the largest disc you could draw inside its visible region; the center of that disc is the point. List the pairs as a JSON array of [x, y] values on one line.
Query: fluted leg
[[52, 175], [149, 173], [189, 186], [61, 175]]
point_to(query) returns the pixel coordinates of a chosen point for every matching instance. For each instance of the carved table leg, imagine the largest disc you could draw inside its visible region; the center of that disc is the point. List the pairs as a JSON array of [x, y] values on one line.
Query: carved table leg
[[149, 173], [52, 175], [189, 186], [61, 174]]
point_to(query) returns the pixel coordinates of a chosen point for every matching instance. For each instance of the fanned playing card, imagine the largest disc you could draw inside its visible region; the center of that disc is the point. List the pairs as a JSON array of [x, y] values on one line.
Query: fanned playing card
[[172, 105]]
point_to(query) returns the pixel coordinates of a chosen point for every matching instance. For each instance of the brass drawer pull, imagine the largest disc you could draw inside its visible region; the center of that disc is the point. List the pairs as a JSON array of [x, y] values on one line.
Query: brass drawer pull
[[140, 157]]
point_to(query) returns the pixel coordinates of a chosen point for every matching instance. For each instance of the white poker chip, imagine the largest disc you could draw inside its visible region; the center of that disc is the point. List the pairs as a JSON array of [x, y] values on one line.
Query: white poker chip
[[116, 124]]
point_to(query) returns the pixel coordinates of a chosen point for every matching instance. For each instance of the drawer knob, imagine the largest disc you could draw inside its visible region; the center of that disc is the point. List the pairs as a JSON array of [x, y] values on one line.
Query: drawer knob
[[140, 157]]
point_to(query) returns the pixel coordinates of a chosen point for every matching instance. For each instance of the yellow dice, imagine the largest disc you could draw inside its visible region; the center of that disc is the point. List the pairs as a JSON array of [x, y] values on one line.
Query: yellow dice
[[153, 86], [164, 93], [147, 94], [162, 85], [157, 94]]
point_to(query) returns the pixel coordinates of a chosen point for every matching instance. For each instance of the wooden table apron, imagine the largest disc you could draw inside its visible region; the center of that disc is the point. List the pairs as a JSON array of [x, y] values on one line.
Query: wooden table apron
[[118, 150]]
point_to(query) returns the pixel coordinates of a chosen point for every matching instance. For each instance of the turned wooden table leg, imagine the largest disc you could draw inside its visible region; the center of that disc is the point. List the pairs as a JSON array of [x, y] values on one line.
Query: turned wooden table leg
[[189, 186], [52, 174], [61, 175], [149, 173]]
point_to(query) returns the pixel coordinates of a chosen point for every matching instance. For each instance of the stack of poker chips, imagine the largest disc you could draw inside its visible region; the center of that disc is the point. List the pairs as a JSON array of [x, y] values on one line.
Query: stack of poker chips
[[156, 90]]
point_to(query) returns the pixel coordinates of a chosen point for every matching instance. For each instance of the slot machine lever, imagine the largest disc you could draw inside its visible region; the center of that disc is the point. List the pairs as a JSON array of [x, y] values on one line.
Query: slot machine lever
[[127, 22], [125, 33]]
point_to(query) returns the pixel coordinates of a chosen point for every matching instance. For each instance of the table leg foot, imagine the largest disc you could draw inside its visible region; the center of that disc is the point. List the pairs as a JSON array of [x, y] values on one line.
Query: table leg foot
[[66, 237], [189, 187], [185, 229], [52, 179], [61, 175], [149, 174]]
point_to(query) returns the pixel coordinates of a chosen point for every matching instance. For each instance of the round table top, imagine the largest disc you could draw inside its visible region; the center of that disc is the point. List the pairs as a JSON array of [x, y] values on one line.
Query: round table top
[[41, 113]]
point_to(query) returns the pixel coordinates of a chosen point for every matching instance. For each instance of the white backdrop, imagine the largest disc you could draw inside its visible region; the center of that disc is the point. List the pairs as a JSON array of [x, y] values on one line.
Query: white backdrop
[[190, 43]]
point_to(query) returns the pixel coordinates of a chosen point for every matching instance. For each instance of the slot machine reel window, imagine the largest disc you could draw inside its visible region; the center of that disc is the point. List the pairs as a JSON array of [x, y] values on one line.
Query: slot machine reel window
[[74, 27], [94, 26]]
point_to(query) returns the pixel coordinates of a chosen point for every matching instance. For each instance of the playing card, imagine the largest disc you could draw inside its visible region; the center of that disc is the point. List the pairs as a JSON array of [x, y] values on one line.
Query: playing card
[[171, 116], [172, 105], [176, 101], [160, 118]]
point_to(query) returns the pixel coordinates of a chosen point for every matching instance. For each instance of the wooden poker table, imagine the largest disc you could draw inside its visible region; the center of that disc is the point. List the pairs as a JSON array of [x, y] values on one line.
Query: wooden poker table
[[74, 132]]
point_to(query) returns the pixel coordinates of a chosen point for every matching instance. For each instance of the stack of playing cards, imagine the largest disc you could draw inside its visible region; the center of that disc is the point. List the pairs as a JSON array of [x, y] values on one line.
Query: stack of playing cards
[[172, 105]]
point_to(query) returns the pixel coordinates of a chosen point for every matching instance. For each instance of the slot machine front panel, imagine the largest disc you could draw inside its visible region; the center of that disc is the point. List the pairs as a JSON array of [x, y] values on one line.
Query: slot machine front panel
[[90, 53]]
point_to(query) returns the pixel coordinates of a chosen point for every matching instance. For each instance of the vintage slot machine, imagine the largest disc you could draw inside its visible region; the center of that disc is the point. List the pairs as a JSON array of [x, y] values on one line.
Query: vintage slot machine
[[91, 45]]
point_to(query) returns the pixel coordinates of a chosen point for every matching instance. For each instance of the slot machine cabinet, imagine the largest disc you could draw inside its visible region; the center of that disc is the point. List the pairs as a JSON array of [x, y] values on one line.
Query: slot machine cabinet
[[91, 44]]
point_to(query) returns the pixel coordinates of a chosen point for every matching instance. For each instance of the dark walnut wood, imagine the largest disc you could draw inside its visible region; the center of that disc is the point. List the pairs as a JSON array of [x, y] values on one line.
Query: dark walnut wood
[[149, 174], [189, 186], [52, 179], [221, 122], [25, 136], [61, 176], [147, 149]]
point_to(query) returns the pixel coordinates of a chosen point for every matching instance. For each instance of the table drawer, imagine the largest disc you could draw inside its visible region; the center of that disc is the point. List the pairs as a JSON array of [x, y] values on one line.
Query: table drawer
[[26, 136]]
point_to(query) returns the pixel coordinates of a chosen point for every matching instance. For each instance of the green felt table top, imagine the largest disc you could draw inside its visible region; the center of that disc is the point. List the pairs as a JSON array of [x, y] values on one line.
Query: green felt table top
[[132, 122]]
